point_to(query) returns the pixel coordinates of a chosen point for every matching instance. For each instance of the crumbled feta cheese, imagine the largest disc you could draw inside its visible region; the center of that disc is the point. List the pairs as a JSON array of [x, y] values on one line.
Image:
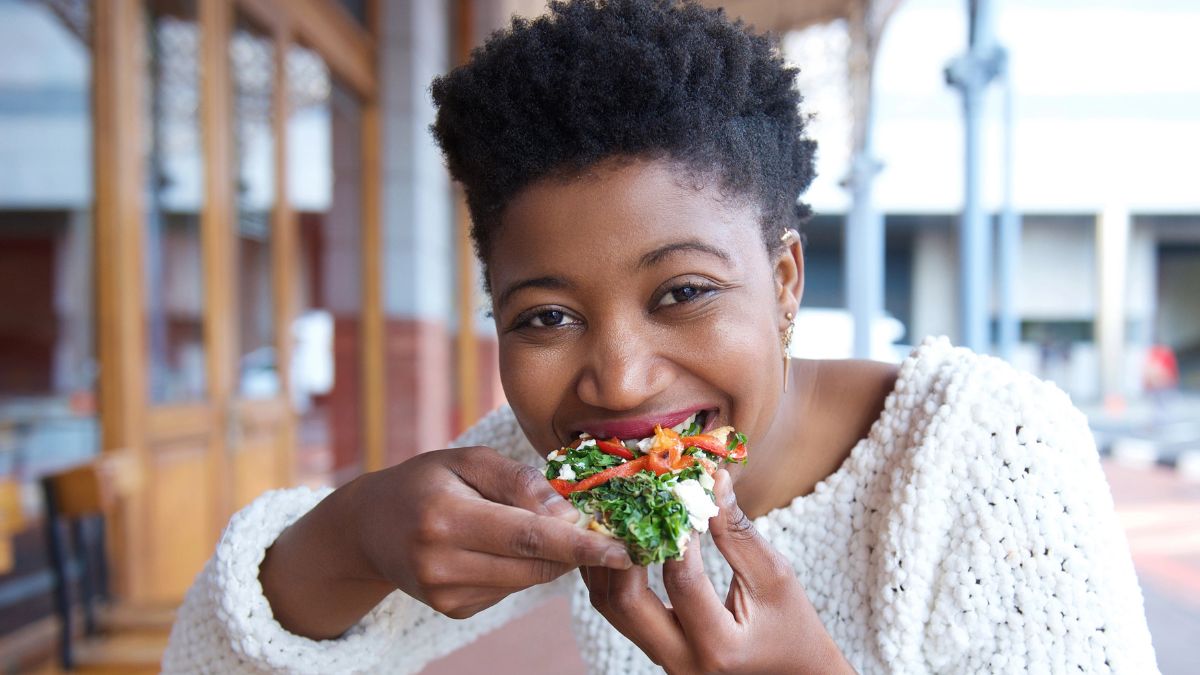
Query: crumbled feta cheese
[[645, 444], [566, 472], [699, 505], [552, 456], [587, 443]]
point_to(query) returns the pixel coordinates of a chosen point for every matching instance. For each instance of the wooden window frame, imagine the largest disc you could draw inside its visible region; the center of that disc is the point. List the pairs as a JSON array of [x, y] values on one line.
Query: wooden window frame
[[130, 423]]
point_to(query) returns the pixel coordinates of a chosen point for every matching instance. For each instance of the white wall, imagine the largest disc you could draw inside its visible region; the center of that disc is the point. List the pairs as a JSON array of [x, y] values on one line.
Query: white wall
[[417, 214], [935, 296]]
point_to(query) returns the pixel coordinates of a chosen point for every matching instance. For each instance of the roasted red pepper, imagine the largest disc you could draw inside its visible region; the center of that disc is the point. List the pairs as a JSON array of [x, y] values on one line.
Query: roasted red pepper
[[619, 471], [615, 448], [713, 446], [562, 487]]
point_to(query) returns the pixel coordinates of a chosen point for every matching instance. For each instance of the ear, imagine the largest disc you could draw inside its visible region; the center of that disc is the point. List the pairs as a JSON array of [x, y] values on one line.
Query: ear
[[789, 276]]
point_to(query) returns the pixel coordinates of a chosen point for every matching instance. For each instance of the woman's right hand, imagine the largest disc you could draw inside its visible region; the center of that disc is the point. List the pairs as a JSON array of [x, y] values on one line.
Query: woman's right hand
[[457, 529]]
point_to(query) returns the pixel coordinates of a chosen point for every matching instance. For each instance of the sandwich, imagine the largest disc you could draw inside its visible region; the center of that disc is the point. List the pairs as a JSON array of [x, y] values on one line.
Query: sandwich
[[651, 493]]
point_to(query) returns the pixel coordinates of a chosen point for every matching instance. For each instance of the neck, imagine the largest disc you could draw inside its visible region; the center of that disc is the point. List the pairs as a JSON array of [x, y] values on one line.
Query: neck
[[829, 408], [776, 473]]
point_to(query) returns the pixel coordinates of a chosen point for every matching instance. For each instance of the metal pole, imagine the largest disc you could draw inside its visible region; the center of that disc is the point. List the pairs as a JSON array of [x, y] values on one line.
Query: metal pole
[[1009, 243], [863, 243], [970, 74], [864, 255]]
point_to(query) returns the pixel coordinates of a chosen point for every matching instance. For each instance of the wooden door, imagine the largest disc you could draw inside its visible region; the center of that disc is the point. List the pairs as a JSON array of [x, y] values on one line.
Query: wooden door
[[261, 422], [199, 263]]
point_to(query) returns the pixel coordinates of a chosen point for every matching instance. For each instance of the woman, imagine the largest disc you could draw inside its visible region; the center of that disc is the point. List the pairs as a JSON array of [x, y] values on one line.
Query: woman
[[632, 169]]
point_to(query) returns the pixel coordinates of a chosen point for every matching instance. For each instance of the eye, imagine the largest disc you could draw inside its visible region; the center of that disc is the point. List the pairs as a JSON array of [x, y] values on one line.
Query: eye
[[547, 318], [681, 294]]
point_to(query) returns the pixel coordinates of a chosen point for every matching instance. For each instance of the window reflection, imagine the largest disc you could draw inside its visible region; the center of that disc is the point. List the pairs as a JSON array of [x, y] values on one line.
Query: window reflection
[[325, 187], [47, 340], [252, 63], [174, 194]]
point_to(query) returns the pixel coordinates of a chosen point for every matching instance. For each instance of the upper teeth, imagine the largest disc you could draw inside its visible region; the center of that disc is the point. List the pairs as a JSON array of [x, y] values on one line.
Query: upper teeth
[[682, 426]]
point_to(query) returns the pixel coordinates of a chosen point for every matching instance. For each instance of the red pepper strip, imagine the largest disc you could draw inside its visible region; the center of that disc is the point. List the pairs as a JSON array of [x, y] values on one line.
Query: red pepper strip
[[619, 471], [562, 487], [706, 443], [615, 448]]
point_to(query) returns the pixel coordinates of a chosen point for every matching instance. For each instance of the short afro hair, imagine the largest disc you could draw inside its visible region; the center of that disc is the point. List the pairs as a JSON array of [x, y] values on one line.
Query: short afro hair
[[599, 79]]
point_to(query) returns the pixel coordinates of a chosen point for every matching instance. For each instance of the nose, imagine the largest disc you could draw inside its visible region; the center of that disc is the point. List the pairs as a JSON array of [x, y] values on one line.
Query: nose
[[623, 369]]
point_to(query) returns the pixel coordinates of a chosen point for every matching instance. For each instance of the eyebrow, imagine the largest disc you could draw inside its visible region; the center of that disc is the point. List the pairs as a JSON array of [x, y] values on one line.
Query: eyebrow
[[662, 252], [550, 283], [647, 260]]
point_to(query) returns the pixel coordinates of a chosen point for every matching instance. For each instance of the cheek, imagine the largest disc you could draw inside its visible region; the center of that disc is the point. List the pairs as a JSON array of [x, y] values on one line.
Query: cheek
[[746, 360], [534, 381]]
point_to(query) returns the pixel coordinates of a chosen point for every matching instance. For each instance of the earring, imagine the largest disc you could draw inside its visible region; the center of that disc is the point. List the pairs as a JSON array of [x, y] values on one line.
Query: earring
[[786, 339]]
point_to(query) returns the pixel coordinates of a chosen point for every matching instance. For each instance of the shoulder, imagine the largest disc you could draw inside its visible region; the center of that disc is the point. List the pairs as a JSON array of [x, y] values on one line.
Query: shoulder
[[981, 396], [500, 431], [1027, 517], [997, 440]]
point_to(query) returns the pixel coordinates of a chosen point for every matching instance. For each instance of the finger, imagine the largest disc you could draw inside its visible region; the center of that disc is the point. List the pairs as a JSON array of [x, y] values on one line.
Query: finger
[[472, 569], [506, 481], [697, 606], [514, 533], [752, 559], [624, 599]]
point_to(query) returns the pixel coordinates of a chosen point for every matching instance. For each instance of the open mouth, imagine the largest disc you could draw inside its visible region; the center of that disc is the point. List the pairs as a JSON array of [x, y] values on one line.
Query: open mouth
[[699, 421]]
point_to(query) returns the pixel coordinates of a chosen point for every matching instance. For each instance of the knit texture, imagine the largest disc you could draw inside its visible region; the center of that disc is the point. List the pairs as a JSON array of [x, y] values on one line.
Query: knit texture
[[972, 531]]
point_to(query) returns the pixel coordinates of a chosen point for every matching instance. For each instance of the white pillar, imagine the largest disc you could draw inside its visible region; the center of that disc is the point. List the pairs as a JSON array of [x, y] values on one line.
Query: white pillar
[[416, 203]]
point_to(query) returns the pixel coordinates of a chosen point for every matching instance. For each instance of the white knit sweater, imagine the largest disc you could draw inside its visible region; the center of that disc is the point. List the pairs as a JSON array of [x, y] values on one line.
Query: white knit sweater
[[971, 531]]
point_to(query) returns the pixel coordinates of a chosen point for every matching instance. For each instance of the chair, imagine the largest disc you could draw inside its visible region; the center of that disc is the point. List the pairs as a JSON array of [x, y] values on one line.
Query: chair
[[114, 637], [75, 537]]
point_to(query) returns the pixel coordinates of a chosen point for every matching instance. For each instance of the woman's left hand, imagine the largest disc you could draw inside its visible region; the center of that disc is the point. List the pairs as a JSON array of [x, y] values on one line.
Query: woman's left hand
[[765, 625]]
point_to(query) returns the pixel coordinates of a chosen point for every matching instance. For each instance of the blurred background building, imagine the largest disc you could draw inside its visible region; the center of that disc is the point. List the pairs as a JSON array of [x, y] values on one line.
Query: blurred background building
[[231, 258]]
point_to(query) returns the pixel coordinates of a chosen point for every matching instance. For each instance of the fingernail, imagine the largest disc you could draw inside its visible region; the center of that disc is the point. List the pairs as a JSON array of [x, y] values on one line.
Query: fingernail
[[617, 558], [727, 496]]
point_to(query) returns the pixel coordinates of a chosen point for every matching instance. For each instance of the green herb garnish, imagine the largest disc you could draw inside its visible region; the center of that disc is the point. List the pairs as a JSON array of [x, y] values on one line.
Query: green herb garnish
[[584, 461], [642, 511]]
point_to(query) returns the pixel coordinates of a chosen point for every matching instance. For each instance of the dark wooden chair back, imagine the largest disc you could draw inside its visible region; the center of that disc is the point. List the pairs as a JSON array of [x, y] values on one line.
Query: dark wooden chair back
[[76, 500]]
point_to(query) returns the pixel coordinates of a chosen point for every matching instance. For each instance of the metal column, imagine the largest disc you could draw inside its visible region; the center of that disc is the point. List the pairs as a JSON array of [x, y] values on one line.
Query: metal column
[[1008, 243], [970, 74], [864, 254]]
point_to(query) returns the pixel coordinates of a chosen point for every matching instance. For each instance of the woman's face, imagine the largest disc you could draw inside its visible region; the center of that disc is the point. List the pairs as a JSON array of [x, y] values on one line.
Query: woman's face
[[633, 296]]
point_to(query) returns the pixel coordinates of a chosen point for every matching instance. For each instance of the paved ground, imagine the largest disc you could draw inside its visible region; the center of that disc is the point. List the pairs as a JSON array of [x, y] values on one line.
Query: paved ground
[[1160, 511]]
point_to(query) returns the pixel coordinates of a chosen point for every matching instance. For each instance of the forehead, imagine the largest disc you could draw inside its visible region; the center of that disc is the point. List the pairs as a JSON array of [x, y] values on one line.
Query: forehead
[[617, 211]]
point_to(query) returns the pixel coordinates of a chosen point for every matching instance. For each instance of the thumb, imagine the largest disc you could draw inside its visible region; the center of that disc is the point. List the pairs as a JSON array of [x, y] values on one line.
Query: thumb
[[752, 559]]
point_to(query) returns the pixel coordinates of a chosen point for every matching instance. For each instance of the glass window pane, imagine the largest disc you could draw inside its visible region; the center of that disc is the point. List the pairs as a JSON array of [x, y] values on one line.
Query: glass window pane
[[174, 194], [47, 338], [325, 186], [252, 61]]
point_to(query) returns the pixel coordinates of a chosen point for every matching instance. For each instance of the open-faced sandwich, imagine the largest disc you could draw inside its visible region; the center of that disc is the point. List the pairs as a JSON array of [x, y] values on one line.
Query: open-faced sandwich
[[650, 493]]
